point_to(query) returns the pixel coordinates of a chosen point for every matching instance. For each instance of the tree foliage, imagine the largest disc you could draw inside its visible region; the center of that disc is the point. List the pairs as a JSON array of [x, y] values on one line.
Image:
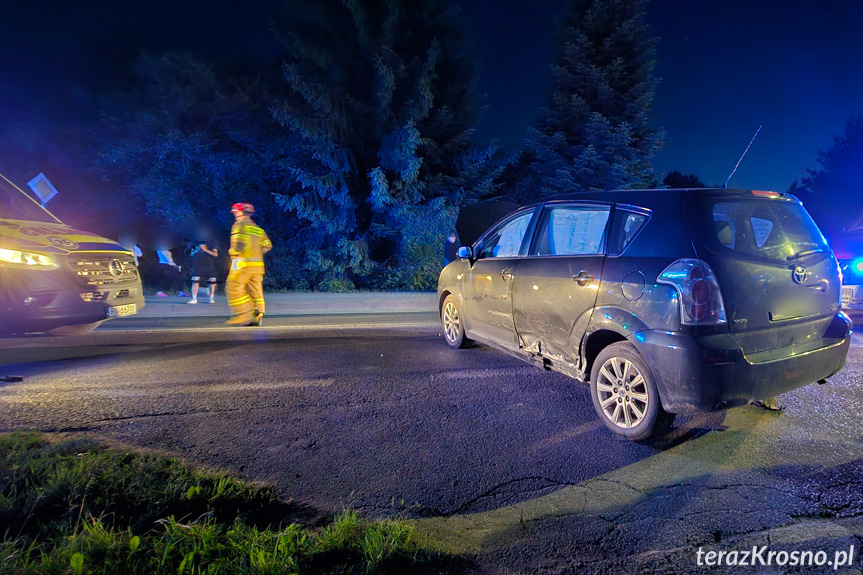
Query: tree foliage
[[595, 133], [831, 191], [675, 179], [189, 143], [367, 132], [383, 101]]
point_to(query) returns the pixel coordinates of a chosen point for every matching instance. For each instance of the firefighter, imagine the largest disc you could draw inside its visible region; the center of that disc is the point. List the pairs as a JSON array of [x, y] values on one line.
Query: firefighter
[[244, 287]]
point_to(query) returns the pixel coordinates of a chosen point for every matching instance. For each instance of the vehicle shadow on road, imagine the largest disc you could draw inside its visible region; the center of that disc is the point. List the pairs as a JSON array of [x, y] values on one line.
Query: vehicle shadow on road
[[727, 490], [687, 428]]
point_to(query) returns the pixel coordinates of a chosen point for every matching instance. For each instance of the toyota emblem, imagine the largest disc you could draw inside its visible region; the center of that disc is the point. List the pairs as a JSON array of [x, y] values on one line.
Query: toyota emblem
[[799, 275], [115, 268]]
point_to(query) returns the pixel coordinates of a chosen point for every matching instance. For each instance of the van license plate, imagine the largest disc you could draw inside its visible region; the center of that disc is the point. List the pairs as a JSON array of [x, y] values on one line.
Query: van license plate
[[123, 310]]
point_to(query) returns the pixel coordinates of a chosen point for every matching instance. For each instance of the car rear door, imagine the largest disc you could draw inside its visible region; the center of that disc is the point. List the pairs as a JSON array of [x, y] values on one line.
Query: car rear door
[[556, 285], [778, 277]]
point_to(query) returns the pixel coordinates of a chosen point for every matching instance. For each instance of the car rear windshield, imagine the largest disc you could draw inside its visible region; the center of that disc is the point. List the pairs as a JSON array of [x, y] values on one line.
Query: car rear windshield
[[760, 228], [16, 205]]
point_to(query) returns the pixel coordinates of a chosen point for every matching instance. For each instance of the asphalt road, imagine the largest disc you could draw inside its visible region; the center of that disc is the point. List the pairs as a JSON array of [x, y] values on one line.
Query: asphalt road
[[501, 460]]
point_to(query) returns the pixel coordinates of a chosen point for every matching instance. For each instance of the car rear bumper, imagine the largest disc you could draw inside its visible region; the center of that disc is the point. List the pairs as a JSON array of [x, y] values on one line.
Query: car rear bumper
[[712, 373]]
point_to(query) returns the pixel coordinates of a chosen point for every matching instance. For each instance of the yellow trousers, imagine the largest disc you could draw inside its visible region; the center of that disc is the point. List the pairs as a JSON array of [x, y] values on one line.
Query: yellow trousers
[[245, 292]]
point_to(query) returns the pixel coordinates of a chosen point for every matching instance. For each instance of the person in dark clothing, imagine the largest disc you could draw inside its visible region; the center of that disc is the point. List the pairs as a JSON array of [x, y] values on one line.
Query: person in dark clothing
[[450, 250], [204, 266]]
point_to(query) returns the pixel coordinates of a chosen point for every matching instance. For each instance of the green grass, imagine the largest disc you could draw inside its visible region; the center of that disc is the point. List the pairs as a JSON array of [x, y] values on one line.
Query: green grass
[[74, 505]]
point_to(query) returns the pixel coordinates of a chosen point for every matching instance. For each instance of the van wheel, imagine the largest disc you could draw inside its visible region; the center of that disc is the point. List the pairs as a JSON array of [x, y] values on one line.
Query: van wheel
[[453, 324], [73, 329], [624, 393]]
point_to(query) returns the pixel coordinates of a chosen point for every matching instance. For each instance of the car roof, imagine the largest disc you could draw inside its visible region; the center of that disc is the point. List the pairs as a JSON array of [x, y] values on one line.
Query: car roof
[[648, 196]]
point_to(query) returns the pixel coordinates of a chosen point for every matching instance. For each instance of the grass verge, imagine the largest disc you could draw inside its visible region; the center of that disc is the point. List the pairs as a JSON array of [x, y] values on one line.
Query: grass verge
[[74, 505]]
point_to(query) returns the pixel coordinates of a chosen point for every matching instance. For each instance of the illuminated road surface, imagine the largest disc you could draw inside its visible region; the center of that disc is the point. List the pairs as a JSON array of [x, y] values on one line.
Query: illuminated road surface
[[489, 453]]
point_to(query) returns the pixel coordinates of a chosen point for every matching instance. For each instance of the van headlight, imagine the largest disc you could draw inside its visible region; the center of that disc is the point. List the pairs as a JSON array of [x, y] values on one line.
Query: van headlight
[[29, 260]]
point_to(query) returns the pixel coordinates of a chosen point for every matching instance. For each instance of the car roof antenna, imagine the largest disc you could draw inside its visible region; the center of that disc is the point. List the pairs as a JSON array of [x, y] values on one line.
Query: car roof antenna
[[741, 158]]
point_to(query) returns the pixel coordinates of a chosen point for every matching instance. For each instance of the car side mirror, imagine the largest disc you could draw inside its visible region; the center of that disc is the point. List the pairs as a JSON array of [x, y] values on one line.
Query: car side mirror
[[465, 252]]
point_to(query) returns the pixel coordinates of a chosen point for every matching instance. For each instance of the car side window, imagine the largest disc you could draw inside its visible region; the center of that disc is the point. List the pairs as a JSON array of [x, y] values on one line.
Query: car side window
[[571, 231], [505, 242], [628, 223]]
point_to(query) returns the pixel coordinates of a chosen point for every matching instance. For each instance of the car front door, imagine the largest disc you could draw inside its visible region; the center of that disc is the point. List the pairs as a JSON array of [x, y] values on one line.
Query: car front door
[[488, 282], [556, 286]]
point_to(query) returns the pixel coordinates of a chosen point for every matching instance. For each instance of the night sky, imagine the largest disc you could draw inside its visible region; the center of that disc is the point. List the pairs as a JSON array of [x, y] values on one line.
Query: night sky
[[726, 67]]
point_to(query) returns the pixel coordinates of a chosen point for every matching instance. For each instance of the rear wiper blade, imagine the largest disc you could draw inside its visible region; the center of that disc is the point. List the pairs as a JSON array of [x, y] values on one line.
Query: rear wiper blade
[[805, 253]]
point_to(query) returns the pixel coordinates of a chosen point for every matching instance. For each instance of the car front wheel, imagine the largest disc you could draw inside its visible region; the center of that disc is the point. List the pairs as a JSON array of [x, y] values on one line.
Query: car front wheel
[[624, 393], [453, 324]]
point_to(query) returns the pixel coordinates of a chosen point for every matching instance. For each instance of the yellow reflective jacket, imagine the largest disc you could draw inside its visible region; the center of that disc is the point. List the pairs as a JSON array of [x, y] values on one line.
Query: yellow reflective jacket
[[249, 243]]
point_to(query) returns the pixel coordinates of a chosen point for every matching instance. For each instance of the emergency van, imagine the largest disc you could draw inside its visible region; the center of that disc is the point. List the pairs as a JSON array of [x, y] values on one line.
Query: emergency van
[[57, 279]]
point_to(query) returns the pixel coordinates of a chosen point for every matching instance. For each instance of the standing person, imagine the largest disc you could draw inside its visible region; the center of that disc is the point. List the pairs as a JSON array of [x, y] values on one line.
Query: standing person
[[244, 288], [204, 266], [450, 250]]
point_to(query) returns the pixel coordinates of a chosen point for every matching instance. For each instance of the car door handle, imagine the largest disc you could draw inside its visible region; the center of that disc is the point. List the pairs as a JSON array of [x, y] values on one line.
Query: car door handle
[[583, 278], [505, 275]]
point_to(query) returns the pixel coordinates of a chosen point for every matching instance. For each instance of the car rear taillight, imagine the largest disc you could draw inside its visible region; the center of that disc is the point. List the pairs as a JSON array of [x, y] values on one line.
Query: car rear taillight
[[700, 297]]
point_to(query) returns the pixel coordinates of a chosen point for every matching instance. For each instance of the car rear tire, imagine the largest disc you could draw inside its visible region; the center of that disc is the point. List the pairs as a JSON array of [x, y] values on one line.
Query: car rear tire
[[453, 324], [624, 393], [77, 329]]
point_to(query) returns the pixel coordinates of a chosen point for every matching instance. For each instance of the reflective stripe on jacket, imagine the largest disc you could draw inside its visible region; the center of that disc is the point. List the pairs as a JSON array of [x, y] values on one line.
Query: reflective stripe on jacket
[[249, 243]]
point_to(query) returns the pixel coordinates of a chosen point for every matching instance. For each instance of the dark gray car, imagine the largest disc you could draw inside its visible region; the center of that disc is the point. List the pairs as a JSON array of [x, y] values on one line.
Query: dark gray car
[[665, 301]]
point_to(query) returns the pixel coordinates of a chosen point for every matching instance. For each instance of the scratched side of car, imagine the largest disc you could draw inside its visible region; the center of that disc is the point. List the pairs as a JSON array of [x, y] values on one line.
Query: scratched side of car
[[664, 301]]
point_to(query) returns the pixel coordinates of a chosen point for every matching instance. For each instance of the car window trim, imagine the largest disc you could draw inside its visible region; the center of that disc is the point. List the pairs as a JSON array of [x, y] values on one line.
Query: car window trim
[[632, 209], [528, 233]]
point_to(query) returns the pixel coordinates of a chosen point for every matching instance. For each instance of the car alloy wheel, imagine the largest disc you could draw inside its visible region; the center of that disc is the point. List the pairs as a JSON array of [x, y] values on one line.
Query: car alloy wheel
[[451, 321], [453, 324], [622, 392]]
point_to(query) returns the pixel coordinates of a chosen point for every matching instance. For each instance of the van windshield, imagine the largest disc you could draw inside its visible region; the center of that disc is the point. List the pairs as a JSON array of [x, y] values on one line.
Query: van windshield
[[16, 205], [763, 229]]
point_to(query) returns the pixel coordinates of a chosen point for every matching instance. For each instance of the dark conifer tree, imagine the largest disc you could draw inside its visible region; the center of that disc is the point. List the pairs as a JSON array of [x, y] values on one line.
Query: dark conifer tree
[[384, 100], [831, 191], [595, 133]]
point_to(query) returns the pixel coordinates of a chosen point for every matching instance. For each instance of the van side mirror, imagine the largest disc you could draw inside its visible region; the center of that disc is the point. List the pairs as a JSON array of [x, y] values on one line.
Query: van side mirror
[[465, 252]]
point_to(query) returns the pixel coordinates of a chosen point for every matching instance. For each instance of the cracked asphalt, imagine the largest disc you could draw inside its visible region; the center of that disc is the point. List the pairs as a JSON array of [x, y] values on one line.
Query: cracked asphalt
[[502, 461]]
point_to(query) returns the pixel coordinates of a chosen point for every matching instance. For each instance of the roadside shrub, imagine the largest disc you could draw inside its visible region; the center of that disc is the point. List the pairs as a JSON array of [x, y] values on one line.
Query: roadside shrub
[[421, 248], [336, 285], [419, 256], [284, 269]]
